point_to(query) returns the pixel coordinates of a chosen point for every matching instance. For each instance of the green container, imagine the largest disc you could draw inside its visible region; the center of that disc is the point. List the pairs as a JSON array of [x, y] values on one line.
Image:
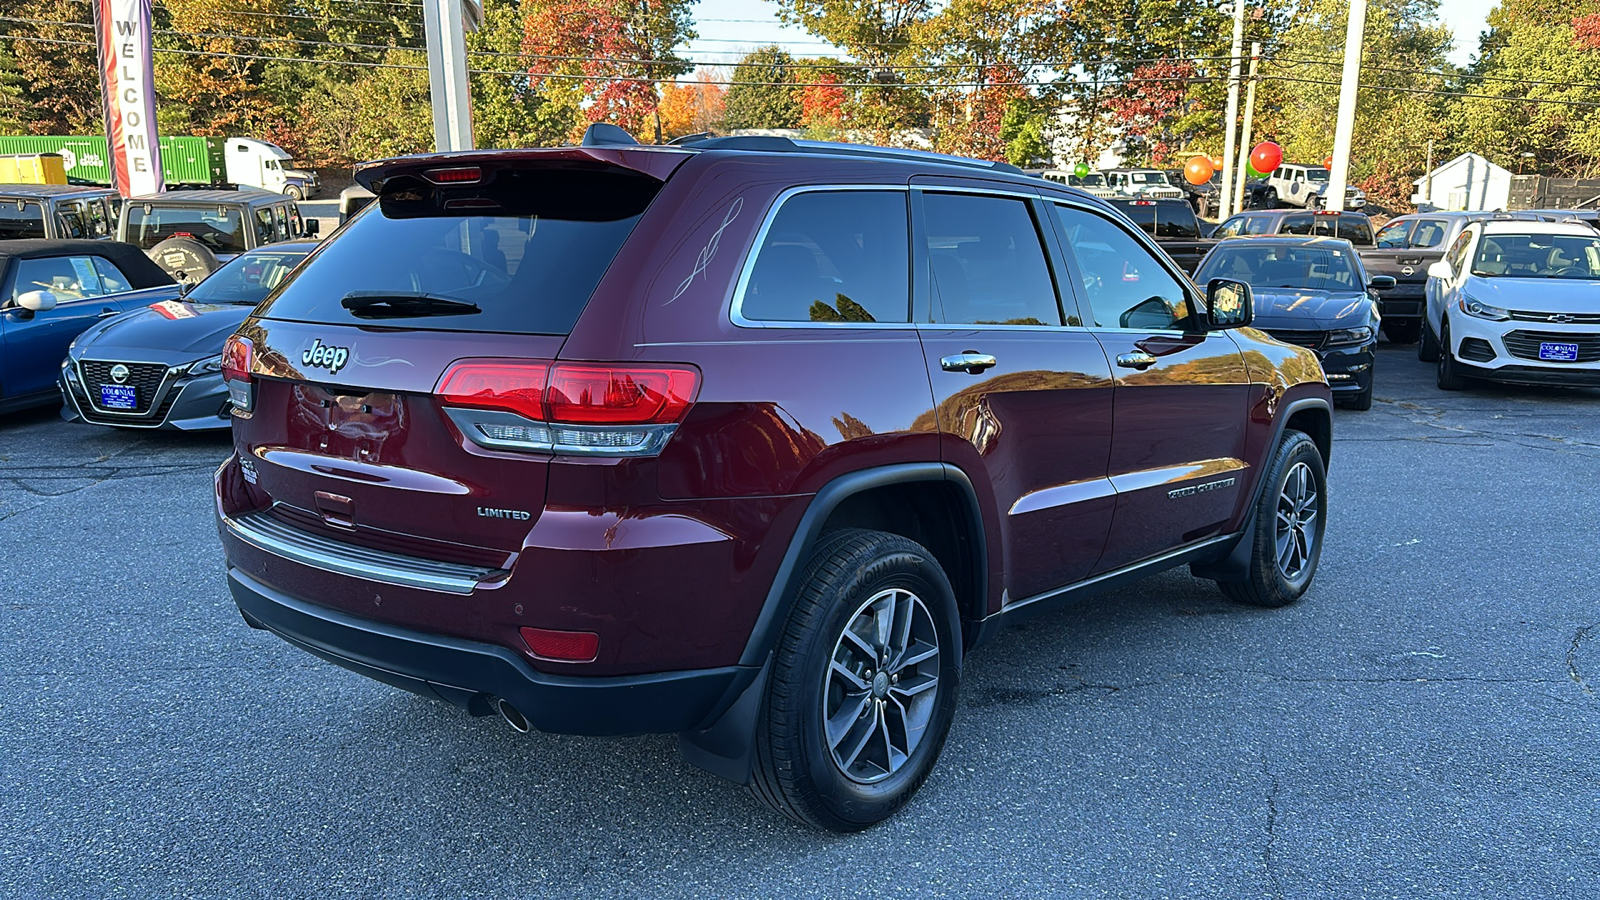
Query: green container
[[184, 160]]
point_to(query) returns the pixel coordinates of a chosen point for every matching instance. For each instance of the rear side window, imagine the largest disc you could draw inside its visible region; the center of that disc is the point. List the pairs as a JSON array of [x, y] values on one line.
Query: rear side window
[[25, 220], [520, 254], [1258, 225], [986, 263], [1430, 233], [833, 256]]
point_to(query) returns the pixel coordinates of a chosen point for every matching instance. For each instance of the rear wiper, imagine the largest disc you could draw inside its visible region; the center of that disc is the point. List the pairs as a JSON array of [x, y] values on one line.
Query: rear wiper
[[404, 304]]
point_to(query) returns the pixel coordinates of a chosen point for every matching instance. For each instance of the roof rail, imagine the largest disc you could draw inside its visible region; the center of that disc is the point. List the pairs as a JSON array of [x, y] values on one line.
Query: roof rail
[[774, 144]]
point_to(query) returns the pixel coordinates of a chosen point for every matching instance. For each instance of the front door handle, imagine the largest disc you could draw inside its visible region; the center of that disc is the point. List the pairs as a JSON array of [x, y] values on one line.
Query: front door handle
[[969, 361], [104, 313], [1136, 360]]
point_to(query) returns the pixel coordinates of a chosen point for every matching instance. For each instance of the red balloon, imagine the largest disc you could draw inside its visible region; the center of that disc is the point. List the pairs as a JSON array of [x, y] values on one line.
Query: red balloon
[[1266, 156], [1198, 170], [1327, 163]]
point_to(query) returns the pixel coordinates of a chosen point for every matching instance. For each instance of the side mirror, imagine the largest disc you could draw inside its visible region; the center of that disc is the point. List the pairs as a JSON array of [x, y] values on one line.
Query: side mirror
[[37, 301], [1229, 304], [311, 227], [1382, 282], [1440, 269]]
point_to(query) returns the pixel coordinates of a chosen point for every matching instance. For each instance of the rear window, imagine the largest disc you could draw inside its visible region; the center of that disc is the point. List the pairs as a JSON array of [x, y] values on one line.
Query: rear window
[[1174, 220], [220, 229], [518, 255], [1356, 231], [830, 256], [21, 220]]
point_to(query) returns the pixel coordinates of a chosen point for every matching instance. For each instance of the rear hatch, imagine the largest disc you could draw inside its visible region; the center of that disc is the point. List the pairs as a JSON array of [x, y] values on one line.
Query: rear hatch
[[489, 261]]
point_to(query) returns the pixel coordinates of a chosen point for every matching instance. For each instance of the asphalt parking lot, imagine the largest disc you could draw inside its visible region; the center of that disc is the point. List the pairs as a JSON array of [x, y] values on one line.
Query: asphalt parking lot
[[1424, 723]]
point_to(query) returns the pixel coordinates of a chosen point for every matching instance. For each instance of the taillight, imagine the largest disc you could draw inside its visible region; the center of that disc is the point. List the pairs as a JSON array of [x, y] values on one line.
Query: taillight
[[454, 175], [237, 355], [569, 408]]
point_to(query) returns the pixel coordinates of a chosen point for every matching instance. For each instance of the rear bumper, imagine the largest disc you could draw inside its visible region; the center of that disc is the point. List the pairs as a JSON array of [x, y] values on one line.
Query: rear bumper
[[470, 674]]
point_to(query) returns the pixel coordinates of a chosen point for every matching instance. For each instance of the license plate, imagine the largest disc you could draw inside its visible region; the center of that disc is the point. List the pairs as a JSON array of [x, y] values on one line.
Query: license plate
[[118, 396], [1558, 352]]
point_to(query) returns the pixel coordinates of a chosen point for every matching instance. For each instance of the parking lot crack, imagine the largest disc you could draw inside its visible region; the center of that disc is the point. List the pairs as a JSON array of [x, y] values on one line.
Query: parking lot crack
[[1573, 651]]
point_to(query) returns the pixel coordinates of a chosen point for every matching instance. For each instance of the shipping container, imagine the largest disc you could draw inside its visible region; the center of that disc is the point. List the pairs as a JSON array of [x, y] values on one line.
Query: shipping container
[[184, 160]]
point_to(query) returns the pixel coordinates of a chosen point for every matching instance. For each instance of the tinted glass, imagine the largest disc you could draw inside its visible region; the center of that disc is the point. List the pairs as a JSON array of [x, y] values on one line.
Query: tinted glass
[[27, 222], [68, 277], [1274, 265], [1296, 225], [985, 262], [1231, 228], [1125, 286], [1355, 229], [1538, 256], [1393, 236], [526, 250], [834, 256], [73, 219], [266, 231], [1317, 175], [1258, 225], [1174, 220], [221, 232], [248, 278], [111, 278], [1429, 233]]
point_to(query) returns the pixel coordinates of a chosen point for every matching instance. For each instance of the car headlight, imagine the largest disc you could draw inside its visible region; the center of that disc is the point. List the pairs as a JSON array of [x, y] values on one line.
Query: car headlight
[[1482, 310], [208, 366], [1341, 336]]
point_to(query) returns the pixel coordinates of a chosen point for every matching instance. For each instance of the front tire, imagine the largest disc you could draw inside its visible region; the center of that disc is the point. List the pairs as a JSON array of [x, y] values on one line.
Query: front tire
[[1449, 377], [863, 685], [1289, 519], [1428, 347], [294, 193]]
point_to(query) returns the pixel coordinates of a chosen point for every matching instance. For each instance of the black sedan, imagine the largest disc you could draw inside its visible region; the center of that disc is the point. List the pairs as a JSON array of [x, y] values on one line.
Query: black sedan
[[1311, 291], [160, 365]]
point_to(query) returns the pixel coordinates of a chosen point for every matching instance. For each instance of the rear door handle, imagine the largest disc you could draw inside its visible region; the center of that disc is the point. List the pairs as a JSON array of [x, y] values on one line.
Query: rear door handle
[[107, 312], [1136, 360], [968, 361]]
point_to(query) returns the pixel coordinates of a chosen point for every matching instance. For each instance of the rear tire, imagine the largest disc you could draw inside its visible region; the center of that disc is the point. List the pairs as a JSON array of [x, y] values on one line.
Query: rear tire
[[863, 685], [1449, 377], [1289, 519]]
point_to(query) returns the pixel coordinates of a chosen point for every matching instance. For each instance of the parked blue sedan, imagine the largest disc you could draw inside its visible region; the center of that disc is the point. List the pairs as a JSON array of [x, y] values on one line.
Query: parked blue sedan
[[1311, 291], [50, 292]]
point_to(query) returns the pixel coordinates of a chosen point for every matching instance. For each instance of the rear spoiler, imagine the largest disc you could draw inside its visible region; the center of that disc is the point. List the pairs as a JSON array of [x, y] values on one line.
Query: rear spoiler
[[654, 162]]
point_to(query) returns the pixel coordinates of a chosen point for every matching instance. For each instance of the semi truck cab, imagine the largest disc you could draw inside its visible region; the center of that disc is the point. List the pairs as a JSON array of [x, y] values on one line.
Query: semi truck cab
[[265, 165]]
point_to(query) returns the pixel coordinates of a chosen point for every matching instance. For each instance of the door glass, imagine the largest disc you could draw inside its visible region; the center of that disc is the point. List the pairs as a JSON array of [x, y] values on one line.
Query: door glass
[[1296, 225], [264, 226], [72, 218], [833, 256], [110, 276], [1430, 233], [68, 277], [1125, 286], [1393, 236], [98, 226], [1230, 228], [986, 264], [282, 217], [1258, 225]]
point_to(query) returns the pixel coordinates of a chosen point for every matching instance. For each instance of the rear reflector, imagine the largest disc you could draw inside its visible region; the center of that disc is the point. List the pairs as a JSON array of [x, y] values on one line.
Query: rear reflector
[[565, 646]]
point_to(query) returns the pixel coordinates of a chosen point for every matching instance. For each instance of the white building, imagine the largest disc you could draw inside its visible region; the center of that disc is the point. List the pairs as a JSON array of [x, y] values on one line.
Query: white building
[[1468, 182]]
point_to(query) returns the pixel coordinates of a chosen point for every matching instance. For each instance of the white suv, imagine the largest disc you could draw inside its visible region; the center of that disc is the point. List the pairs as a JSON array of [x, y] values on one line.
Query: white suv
[[1517, 302]]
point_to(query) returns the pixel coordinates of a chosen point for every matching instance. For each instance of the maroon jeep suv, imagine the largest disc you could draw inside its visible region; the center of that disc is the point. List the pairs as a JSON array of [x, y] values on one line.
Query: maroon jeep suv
[[748, 440]]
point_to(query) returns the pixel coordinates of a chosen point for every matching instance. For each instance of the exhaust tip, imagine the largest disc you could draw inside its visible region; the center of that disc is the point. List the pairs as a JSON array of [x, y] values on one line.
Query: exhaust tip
[[514, 718]]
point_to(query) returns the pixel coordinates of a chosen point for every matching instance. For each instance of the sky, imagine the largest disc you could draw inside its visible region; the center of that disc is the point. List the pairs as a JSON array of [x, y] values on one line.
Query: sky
[[730, 28]]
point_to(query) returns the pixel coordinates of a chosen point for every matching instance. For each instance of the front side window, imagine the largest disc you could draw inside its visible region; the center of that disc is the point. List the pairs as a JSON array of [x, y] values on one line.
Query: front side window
[[1125, 286], [221, 230], [833, 256], [1231, 228], [986, 264], [265, 229], [1538, 256], [98, 226], [73, 219], [68, 277], [1297, 225], [1393, 235]]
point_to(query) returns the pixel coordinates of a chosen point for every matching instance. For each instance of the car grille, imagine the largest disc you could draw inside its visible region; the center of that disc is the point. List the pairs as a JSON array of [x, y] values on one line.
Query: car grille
[[1525, 344], [1311, 339], [1522, 315], [144, 378]]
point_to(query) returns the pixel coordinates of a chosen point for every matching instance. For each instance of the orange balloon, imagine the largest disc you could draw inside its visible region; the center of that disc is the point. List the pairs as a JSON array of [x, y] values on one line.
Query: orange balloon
[[1198, 170], [1327, 163]]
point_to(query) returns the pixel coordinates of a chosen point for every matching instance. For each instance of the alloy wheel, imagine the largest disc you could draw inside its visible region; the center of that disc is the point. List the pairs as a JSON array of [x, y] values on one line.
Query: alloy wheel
[[882, 686], [1298, 508]]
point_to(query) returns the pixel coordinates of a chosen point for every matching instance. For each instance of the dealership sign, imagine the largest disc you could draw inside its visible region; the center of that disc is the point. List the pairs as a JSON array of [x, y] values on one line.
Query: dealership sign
[[128, 90]]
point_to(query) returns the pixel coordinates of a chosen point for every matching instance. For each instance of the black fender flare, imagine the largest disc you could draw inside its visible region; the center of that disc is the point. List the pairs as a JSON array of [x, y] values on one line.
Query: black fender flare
[[726, 745]]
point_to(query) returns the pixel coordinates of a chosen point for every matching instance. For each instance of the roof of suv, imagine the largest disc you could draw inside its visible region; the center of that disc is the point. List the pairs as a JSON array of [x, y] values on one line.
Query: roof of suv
[[1536, 226], [210, 197], [50, 191]]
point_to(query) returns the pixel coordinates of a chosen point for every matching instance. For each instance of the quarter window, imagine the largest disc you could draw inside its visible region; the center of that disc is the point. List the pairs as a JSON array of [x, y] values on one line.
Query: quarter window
[[72, 219], [986, 265], [110, 276], [1125, 286], [833, 256]]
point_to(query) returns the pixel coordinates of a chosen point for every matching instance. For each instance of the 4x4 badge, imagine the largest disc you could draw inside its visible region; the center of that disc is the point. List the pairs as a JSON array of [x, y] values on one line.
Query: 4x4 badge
[[321, 357]]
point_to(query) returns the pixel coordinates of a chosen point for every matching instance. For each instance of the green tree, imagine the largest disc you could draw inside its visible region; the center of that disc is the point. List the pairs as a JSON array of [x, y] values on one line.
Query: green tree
[[1024, 132], [762, 94], [55, 58], [13, 106]]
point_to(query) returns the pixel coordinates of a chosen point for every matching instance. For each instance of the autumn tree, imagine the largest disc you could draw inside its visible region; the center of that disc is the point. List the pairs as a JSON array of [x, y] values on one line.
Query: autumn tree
[[762, 94], [822, 105], [880, 35], [692, 107], [602, 59], [976, 56], [13, 107], [55, 58], [1150, 110]]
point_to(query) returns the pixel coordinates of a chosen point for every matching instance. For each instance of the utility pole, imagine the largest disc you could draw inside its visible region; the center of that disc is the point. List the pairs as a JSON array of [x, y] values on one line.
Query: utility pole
[[444, 25], [1344, 126], [1249, 116], [1427, 177], [1230, 123]]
